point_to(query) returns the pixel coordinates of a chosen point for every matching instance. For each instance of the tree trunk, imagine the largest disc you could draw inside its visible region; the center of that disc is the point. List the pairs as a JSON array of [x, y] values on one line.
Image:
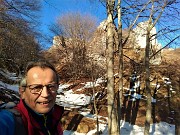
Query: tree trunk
[[120, 92], [177, 120], [177, 117], [112, 113], [147, 83]]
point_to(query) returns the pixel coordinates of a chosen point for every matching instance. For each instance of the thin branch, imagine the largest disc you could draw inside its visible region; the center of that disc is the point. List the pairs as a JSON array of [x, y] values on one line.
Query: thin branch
[[165, 46]]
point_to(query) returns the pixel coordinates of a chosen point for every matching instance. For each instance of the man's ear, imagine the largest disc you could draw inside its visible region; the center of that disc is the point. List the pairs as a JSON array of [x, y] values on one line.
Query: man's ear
[[21, 91], [22, 87]]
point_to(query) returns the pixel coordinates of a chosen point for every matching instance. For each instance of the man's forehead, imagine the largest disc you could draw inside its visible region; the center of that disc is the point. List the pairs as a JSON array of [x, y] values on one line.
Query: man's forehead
[[36, 70]]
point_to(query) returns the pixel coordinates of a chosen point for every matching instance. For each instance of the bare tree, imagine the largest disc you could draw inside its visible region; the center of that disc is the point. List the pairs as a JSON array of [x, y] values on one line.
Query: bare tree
[[112, 110], [76, 25], [151, 24], [18, 32], [75, 31], [139, 11], [120, 48]]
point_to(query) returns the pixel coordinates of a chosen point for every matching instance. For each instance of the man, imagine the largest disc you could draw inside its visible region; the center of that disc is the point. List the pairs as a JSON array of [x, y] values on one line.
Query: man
[[37, 108]]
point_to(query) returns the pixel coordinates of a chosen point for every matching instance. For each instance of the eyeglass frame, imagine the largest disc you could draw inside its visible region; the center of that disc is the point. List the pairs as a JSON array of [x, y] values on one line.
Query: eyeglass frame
[[42, 86]]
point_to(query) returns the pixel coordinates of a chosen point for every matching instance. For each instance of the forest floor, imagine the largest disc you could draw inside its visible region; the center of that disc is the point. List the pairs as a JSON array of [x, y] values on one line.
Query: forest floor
[[134, 112]]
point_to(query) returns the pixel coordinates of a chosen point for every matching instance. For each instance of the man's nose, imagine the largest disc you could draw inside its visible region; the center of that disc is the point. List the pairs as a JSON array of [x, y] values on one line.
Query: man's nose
[[45, 92]]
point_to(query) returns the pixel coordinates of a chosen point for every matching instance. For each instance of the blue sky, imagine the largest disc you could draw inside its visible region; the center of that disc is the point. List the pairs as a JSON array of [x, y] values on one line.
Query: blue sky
[[52, 9]]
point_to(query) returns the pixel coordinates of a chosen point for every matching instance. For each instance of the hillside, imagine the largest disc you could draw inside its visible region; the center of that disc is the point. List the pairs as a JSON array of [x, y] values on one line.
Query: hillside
[[133, 111], [134, 107]]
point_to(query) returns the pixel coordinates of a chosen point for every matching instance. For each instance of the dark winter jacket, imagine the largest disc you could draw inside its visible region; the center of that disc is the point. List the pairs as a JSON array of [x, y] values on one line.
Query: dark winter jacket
[[38, 124]]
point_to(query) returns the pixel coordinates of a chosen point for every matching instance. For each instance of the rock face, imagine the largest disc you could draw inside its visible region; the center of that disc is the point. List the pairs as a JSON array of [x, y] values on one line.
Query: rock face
[[140, 34], [96, 47], [140, 41]]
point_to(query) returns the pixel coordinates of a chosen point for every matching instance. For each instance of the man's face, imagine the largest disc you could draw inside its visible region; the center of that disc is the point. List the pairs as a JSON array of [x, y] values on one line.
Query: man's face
[[43, 101]]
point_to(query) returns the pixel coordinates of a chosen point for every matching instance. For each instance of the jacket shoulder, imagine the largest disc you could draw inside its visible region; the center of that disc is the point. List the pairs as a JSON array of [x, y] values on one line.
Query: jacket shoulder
[[14, 122], [7, 123]]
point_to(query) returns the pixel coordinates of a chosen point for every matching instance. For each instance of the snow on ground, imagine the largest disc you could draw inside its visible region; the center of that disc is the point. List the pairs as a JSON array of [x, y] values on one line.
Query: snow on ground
[[69, 97], [161, 128], [73, 100]]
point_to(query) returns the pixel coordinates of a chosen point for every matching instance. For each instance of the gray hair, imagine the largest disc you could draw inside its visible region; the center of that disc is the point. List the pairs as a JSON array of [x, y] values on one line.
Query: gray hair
[[23, 82], [40, 63]]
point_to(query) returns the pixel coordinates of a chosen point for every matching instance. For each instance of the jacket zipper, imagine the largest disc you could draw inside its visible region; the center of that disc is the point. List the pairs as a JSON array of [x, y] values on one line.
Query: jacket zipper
[[45, 124]]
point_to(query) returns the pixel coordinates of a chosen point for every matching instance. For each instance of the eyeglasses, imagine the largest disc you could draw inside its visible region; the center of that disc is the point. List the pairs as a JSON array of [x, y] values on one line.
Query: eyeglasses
[[37, 88]]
